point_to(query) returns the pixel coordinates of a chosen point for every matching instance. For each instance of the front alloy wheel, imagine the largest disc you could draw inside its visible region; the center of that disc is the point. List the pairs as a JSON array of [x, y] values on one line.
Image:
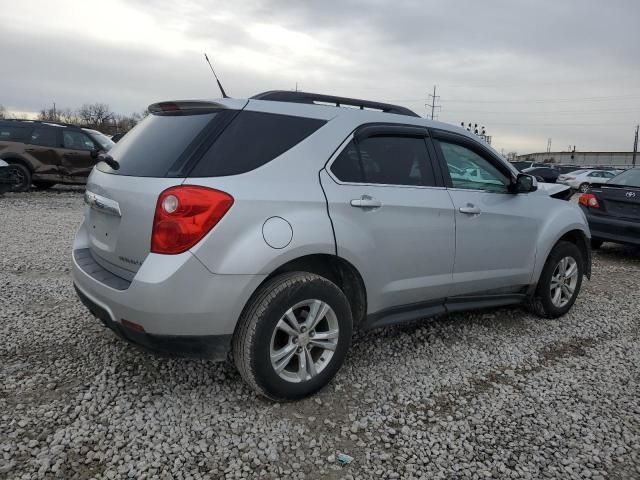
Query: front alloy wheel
[[563, 281], [559, 282]]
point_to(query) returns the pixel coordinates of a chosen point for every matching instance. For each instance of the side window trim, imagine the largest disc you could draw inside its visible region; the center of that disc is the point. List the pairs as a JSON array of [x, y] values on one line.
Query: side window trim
[[389, 130], [424, 134], [465, 142]]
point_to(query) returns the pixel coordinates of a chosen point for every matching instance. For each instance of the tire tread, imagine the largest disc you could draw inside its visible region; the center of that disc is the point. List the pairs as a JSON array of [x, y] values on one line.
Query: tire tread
[[245, 335]]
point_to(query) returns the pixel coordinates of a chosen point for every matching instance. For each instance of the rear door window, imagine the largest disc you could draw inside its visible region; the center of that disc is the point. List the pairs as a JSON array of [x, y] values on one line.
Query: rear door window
[[45, 137], [385, 160], [252, 140]]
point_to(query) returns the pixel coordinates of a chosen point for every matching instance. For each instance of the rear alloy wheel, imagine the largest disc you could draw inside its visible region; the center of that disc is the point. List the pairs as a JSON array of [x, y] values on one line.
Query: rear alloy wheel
[[584, 187], [20, 177], [304, 340], [559, 282], [293, 336]]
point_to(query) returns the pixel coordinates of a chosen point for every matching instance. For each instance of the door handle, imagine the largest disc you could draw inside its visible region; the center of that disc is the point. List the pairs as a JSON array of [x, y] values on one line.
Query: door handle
[[366, 202], [470, 210]]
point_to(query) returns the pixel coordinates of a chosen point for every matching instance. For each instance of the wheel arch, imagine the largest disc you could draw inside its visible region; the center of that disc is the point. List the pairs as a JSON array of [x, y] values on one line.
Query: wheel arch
[[13, 158], [576, 235], [337, 270]]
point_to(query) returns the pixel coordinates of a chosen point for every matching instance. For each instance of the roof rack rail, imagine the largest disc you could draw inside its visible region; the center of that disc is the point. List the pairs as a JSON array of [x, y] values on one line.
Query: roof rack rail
[[317, 98], [50, 122]]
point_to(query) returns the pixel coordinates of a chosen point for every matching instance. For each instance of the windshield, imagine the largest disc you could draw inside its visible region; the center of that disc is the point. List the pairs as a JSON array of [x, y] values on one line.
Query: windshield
[[105, 142], [630, 178]]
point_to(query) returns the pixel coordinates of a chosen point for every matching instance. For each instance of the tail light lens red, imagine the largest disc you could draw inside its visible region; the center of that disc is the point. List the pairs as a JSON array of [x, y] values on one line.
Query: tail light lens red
[[589, 200], [184, 214]]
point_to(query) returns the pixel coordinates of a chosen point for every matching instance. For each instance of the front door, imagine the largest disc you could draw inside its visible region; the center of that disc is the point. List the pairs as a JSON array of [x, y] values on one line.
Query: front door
[[392, 218], [496, 231]]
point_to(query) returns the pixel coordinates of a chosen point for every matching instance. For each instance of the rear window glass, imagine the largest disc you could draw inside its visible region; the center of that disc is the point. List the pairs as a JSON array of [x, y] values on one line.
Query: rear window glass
[[158, 143], [13, 133], [252, 140], [630, 178]]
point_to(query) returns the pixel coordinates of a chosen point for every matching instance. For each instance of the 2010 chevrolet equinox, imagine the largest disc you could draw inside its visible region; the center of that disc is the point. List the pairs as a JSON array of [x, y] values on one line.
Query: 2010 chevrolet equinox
[[273, 227]]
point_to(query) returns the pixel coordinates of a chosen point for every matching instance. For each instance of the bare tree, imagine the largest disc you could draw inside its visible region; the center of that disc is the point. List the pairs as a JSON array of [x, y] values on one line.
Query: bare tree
[[3, 112], [96, 115]]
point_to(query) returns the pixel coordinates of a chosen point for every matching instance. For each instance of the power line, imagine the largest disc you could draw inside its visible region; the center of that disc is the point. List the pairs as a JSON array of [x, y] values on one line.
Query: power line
[[434, 99], [598, 125], [546, 112], [538, 100]]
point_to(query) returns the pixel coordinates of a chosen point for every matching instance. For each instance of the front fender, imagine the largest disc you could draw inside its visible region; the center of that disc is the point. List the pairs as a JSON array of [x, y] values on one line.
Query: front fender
[[559, 222]]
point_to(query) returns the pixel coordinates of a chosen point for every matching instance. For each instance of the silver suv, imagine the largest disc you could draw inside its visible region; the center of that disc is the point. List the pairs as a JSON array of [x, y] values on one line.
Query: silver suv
[[271, 228]]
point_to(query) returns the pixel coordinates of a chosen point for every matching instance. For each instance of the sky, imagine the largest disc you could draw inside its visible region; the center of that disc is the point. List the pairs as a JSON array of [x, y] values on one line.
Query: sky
[[528, 70]]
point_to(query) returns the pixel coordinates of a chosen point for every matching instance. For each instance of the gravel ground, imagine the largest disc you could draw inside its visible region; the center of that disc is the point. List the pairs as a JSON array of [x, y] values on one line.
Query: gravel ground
[[497, 394]]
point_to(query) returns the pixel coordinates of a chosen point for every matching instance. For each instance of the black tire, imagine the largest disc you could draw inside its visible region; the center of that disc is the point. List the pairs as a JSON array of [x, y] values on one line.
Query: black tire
[[584, 187], [596, 243], [252, 338], [541, 304], [20, 177], [43, 184]]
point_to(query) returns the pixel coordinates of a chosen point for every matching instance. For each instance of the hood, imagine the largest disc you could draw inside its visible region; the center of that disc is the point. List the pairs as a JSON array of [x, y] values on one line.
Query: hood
[[553, 189]]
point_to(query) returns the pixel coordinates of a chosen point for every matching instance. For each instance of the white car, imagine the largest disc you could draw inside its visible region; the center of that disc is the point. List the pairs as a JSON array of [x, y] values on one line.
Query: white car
[[581, 180]]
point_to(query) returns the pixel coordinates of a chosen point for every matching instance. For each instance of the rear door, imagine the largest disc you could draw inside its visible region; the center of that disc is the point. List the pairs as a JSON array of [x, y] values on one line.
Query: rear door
[[496, 231], [391, 215], [42, 147], [76, 161]]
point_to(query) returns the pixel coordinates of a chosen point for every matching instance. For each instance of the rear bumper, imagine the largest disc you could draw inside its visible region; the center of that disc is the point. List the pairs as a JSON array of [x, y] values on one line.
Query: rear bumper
[[215, 347], [612, 229], [181, 306]]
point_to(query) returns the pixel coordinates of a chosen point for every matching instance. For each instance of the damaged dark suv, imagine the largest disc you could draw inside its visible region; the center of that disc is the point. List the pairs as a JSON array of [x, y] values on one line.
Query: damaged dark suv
[[46, 153]]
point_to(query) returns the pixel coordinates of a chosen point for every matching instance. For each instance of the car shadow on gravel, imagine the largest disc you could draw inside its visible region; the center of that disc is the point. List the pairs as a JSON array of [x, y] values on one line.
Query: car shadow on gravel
[[617, 252]]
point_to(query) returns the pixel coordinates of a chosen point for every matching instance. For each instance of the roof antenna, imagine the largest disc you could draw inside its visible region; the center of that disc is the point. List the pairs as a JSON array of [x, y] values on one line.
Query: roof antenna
[[224, 94]]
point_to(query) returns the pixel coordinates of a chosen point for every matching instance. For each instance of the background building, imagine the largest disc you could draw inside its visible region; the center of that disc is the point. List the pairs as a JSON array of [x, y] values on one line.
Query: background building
[[590, 159]]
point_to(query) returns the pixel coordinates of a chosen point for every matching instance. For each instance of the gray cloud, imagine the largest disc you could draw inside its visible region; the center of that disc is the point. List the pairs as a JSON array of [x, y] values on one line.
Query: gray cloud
[[499, 63]]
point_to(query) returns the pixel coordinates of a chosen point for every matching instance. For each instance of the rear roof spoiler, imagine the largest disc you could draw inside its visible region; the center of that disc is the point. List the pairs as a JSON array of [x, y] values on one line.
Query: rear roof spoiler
[[177, 106]]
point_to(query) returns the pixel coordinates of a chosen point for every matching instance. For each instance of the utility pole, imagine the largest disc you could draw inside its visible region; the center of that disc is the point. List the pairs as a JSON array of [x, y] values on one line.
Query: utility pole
[[55, 117], [433, 104], [635, 146]]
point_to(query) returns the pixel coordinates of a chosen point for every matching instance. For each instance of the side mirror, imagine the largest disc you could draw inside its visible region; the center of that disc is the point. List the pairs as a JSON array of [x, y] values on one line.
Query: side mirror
[[524, 184], [94, 153]]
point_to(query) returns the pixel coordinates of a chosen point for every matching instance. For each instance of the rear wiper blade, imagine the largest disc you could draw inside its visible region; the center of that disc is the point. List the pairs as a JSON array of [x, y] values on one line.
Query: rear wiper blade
[[109, 160]]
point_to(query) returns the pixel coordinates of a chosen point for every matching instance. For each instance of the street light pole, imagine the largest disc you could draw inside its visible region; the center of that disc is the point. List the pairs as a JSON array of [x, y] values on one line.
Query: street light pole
[[635, 147]]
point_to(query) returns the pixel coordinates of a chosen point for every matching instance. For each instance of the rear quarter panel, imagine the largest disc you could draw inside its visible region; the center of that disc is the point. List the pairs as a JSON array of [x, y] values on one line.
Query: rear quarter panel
[[287, 187]]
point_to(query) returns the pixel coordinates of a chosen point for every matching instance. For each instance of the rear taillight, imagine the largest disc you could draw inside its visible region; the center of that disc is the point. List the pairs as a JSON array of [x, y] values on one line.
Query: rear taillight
[[589, 200], [185, 214]]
